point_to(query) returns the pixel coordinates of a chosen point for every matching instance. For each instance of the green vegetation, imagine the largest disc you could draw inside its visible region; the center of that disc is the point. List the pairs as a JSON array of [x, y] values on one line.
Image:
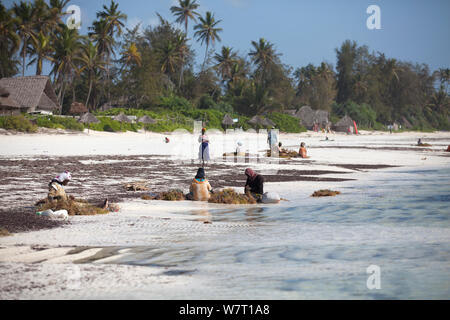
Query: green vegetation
[[18, 123], [152, 72], [56, 122]]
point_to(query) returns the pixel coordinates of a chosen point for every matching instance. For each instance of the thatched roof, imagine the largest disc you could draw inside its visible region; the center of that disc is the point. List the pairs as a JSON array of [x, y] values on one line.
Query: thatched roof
[[34, 93], [268, 123], [227, 120], [122, 118], [77, 108], [308, 116], [88, 118], [345, 122], [3, 92], [6, 101], [256, 120], [146, 119]]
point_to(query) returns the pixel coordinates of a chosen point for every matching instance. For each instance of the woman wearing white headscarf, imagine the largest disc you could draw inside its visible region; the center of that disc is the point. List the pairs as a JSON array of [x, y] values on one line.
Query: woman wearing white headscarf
[[55, 187]]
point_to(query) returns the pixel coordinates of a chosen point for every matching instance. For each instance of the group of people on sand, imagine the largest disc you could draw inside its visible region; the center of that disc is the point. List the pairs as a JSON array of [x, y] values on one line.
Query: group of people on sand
[[199, 190]]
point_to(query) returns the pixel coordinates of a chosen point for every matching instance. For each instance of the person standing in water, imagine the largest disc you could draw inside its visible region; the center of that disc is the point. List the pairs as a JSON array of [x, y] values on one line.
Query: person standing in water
[[203, 153]]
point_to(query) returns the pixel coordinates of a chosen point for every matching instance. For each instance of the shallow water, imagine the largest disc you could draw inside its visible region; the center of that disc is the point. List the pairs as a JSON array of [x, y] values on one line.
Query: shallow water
[[321, 248]]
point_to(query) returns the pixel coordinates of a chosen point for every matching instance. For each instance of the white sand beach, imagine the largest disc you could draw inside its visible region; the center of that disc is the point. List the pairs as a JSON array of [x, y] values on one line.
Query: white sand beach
[[198, 250]]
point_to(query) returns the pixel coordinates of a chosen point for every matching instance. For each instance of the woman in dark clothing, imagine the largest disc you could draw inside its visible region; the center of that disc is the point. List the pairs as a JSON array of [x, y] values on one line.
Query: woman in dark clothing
[[254, 184]]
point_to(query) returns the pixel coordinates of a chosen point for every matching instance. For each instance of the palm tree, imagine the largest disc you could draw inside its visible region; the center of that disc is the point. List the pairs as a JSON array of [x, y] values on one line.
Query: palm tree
[[263, 56], [184, 12], [66, 50], [182, 49], [114, 20], [90, 62], [9, 42], [42, 49], [169, 57], [131, 55], [225, 63], [208, 32], [25, 25]]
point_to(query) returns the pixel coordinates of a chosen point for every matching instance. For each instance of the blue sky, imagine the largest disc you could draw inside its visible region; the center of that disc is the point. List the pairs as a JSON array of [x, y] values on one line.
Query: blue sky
[[308, 31]]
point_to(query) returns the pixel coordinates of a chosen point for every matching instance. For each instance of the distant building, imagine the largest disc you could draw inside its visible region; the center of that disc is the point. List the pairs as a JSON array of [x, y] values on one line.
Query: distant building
[[308, 117], [33, 94]]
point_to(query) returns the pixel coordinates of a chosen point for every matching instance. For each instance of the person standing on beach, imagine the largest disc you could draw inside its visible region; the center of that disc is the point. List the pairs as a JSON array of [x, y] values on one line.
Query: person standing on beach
[[254, 185], [203, 153]]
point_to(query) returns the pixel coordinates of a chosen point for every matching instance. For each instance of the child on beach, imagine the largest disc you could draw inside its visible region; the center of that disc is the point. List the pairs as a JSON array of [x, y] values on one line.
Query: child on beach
[[200, 189]]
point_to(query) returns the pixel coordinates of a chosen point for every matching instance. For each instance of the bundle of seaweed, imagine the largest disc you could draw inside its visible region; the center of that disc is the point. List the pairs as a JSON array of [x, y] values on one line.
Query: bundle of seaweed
[[171, 195], [229, 196], [137, 186], [74, 207], [284, 154], [424, 145], [325, 193]]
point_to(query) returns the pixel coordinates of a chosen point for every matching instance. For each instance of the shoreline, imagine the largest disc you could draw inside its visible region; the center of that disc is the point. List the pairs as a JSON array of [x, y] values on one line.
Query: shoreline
[[100, 245]]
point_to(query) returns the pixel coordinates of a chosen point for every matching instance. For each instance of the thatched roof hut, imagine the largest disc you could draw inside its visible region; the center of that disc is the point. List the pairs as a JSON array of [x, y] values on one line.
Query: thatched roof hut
[[122, 118], [309, 117], [227, 120], [147, 120], [256, 120], [88, 118], [344, 124], [35, 93], [7, 105], [78, 108], [268, 123]]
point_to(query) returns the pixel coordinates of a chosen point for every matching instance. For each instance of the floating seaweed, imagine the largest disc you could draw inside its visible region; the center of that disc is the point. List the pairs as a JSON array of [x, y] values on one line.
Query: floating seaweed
[[325, 193], [229, 196]]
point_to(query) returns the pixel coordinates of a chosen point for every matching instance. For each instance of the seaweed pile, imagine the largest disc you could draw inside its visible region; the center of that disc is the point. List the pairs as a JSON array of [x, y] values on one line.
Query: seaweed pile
[[137, 186], [229, 196], [74, 207], [325, 193], [171, 195], [285, 154]]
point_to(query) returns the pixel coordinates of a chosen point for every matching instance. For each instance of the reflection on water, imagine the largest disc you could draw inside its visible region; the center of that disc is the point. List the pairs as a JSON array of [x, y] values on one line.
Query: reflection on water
[[321, 248]]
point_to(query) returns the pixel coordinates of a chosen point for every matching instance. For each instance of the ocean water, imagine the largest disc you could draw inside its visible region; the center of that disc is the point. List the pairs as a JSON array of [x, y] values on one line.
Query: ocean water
[[308, 248]]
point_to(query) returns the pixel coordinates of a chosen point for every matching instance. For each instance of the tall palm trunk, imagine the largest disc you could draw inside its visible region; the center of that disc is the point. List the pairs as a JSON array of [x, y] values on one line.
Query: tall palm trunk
[[206, 55], [89, 93], [24, 51]]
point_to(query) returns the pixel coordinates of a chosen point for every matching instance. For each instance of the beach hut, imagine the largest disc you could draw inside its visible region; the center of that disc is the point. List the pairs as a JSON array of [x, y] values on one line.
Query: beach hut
[[309, 117], [7, 105], [77, 108], [227, 121], [88, 118], [122, 118], [34, 94], [146, 120], [268, 123], [256, 120], [344, 125]]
